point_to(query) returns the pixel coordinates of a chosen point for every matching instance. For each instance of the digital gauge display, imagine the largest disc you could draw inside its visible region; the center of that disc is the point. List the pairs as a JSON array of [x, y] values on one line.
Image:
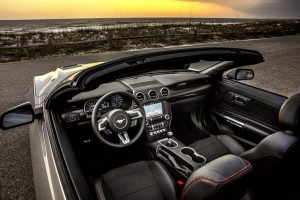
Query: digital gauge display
[[89, 106], [115, 101]]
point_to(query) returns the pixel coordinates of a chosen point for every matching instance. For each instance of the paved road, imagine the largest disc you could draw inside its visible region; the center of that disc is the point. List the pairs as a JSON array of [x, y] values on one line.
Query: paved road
[[280, 73]]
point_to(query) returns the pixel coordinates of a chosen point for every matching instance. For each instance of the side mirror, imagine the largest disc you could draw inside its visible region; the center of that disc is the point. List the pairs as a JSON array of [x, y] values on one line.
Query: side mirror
[[17, 116], [240, 74]]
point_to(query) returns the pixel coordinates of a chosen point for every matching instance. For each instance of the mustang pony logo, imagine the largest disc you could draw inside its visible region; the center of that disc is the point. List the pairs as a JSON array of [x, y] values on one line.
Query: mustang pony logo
[[120, 121]]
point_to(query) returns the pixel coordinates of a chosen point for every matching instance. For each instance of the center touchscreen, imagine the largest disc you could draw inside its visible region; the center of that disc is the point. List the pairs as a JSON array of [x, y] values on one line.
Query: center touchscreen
[[153, 109]]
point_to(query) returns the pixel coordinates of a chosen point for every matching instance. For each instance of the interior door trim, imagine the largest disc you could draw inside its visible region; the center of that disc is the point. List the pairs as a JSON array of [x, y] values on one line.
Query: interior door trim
[[266, 97]]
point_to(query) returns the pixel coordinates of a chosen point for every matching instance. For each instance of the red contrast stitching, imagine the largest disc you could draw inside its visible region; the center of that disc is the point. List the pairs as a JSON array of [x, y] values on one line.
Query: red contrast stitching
[[247, 168]]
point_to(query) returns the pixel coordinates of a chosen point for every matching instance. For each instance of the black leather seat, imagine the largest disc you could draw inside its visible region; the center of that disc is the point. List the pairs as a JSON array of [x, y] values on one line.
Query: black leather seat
[[223, 178], [270, 151], [144, 180]]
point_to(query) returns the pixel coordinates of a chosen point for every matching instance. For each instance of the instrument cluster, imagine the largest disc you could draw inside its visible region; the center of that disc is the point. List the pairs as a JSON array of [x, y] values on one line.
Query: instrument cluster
[[115, 101]]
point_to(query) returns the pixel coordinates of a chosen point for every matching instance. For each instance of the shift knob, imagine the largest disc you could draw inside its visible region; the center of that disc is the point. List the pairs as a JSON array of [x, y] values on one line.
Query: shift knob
[[170, 134], [170, 143]]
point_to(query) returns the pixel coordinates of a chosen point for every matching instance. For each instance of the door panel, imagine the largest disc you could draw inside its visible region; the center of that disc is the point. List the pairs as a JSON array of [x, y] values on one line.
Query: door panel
[[266, 97], [247, 113]]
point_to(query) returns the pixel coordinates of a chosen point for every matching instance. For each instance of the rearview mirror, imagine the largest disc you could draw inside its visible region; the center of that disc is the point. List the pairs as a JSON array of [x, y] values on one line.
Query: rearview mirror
[[17, 116], [240, 74]]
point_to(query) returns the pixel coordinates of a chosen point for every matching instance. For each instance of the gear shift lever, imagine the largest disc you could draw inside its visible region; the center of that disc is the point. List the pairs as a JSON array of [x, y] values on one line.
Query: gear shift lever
[[170, 142]]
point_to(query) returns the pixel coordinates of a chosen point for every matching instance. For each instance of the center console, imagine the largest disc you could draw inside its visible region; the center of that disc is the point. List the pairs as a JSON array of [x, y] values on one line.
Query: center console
[[181, 160], [158, 119]]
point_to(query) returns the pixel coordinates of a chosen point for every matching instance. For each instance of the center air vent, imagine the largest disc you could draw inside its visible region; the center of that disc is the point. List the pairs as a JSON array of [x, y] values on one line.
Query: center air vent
[[152, 94], [140, 96], [164, 92]]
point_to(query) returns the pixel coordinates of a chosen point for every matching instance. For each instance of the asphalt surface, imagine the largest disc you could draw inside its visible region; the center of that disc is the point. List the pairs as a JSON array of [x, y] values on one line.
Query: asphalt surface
[[280, 74]]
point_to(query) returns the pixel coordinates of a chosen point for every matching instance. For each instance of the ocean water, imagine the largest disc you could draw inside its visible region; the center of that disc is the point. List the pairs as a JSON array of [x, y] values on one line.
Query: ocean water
[[63, 25]]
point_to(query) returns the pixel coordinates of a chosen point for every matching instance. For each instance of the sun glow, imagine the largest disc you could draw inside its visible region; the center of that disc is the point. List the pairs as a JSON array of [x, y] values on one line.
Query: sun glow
[[38, 9]]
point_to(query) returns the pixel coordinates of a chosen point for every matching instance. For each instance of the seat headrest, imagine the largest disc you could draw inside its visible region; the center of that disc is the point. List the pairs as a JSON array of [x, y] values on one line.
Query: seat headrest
[[289, 114]]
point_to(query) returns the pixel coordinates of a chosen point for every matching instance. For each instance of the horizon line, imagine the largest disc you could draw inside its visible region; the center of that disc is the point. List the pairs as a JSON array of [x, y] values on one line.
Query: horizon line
[[252, 18]]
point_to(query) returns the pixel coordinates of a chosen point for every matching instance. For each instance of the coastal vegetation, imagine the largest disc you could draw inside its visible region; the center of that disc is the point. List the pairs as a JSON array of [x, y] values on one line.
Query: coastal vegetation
[[32, 45]]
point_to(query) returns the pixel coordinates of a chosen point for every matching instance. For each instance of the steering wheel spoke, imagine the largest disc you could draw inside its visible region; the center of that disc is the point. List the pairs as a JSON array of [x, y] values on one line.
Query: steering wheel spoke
[[124, 138], [102, 124], [135, 114]]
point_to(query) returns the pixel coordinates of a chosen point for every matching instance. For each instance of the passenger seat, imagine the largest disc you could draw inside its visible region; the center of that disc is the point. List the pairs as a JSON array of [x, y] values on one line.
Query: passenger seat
[[270, 151], [217, 146]]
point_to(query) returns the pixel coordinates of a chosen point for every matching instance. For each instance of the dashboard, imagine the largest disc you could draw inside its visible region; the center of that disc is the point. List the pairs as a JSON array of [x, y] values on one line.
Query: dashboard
[[153, 91]]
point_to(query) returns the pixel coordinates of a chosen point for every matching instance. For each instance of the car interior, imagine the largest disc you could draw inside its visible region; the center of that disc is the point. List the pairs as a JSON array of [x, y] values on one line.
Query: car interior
[[178, 133]]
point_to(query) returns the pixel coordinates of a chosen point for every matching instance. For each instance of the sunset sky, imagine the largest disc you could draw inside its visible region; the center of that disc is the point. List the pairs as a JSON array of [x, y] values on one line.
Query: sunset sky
[[49, 9]]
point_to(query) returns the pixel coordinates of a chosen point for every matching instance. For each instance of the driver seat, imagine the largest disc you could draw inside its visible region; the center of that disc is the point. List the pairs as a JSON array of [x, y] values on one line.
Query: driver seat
[[141, 180]]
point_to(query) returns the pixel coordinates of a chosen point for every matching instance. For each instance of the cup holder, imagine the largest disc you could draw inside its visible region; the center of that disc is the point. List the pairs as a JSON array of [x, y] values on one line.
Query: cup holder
[[193, 155]]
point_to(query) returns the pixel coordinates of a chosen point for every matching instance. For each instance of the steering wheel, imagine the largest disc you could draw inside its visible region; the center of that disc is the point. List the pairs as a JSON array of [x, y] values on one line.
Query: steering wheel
[[117, 122]]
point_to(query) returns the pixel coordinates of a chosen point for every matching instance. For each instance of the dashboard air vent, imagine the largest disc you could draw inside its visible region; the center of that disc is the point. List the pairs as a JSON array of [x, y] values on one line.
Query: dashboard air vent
[[164, 92], [152, 94], [140, 96]]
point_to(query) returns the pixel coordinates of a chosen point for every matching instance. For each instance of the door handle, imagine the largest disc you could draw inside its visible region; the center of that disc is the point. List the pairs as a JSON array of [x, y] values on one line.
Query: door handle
[[236, 98], [234, 122]]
